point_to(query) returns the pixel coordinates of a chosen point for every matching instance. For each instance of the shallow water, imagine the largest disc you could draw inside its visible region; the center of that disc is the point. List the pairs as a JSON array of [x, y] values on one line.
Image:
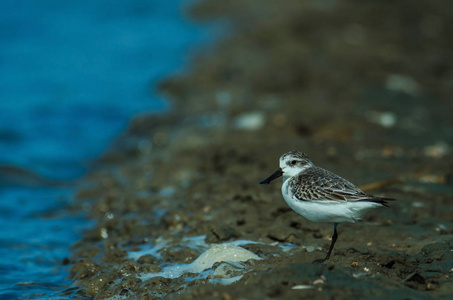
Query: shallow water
[[36, 240], [73, 73]]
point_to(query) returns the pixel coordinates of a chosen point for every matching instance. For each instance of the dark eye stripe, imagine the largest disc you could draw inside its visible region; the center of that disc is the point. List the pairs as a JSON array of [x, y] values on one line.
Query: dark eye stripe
[[295, 162]]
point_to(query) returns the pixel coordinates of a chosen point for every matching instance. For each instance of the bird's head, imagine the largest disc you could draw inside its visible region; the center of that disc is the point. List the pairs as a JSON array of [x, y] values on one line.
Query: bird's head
[[291, 164]]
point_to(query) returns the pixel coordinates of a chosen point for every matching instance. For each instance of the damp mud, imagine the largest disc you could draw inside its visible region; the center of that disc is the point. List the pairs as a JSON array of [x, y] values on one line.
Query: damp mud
[[364, 88]]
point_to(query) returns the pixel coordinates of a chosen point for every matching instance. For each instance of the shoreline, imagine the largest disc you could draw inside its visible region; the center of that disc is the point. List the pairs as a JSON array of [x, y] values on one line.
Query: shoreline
[[297, 77]]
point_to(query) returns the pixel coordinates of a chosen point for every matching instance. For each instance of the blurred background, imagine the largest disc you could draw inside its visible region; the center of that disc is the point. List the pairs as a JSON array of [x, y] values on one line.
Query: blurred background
[[72, 74], [364, 87]]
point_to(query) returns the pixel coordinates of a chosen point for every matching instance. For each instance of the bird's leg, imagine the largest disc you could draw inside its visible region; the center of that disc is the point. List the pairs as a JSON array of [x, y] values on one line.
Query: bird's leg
[[334, 239]]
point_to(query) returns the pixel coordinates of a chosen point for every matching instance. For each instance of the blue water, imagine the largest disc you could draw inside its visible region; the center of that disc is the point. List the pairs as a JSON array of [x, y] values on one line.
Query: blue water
[[72, 73]]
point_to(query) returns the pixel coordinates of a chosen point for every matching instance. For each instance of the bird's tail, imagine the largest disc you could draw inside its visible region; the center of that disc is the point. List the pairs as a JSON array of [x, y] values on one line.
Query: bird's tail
[[380, 200]]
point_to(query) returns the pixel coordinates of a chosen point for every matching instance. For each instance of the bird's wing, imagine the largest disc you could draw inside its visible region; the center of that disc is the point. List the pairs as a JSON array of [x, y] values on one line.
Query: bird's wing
[[320, 184]]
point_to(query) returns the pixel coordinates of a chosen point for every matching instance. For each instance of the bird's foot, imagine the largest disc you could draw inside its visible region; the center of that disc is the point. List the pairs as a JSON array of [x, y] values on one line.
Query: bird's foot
[[319, 261]]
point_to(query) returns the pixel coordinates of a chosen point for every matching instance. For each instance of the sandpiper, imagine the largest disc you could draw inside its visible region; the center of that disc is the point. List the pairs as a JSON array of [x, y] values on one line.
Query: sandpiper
[[320, 195]]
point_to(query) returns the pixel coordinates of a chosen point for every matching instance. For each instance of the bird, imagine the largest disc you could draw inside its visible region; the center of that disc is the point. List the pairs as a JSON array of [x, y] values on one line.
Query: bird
[[320, 195]]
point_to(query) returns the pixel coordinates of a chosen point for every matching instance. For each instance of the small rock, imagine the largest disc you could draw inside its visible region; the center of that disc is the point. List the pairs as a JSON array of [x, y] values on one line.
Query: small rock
[[221, 233], [250, 121], [385, 119], [86, 264], [97, 284], [436, 247], [147, 259], [401, 83], [179, 254]]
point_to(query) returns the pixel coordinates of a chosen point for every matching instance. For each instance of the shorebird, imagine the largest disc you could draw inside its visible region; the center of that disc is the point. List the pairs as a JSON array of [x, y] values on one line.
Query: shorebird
[[320, 195]]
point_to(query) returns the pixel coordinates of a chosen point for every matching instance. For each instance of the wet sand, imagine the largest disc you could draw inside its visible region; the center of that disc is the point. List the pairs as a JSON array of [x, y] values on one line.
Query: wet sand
[[364, 88]]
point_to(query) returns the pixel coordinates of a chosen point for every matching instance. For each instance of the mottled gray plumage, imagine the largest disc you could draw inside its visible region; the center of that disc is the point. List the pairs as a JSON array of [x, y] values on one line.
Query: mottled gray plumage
[[320, 184]]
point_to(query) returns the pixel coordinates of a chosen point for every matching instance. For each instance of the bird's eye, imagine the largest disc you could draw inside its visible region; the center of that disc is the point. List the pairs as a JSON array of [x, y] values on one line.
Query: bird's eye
[[293, 163]]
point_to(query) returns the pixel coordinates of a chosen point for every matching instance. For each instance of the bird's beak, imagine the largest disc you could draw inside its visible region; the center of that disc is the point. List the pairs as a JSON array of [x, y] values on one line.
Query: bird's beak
[[276, 174]]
